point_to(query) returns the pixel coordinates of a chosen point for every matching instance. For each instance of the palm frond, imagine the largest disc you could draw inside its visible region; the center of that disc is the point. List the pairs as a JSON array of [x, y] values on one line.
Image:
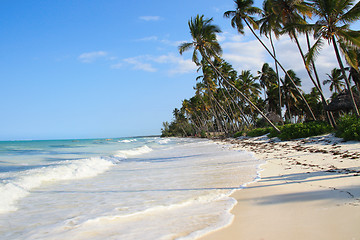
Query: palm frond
[[350, 37], [352, 15], [229, 14], [349, 54], [299, 27], [185, 47], [252, 21], [314, 51]]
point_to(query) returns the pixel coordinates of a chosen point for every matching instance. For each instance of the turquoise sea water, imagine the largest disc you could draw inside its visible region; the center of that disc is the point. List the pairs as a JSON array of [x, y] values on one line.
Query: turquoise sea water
[[126, 188]]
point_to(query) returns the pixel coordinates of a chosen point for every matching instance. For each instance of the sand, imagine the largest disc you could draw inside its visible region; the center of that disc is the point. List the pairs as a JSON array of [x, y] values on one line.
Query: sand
[[309, 189]]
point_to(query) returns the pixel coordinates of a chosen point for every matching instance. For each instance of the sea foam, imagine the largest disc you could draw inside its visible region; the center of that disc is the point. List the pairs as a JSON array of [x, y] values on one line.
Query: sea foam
[[127, 141], [19, 186], [133, 152]]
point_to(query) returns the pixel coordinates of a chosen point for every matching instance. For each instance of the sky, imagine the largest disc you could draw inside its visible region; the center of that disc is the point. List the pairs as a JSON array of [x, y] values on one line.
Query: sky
[[103, 69]]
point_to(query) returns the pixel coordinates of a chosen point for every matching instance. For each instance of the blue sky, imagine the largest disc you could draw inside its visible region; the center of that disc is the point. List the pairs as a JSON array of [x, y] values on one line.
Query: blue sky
[[89, 69]]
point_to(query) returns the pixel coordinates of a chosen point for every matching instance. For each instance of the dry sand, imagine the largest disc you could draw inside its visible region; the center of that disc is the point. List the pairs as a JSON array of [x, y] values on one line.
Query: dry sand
[[309, 189]]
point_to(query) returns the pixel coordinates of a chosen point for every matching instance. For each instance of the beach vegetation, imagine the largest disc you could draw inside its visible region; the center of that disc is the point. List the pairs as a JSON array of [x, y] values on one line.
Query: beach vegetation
[[349, 128], [258, 132], [238, 102], [302, 130]]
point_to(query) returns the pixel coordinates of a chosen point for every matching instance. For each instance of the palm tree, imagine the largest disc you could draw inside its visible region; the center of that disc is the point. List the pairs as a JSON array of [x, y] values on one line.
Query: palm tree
[[269, 82], [243, 12], [205, 42], [291, 13], [248, 85], [267, 77], [269, 25], [335, 80], [290, 94], [333, 26]]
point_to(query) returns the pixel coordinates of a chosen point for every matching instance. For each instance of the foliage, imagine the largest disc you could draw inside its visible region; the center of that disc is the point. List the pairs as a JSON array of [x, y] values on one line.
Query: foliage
[[302, 130], [349, 128], [258, 132], [227, 102], [239, 134]]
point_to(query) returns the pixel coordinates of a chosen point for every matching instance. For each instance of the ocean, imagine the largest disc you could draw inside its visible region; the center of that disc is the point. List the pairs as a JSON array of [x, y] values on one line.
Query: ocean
[[124, 188]]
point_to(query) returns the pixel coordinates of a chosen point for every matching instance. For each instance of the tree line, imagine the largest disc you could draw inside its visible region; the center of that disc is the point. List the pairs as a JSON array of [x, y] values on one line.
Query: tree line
[[226, 101]]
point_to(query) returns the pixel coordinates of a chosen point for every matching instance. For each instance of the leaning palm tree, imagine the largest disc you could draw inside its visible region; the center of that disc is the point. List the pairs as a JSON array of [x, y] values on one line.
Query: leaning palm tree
[[291, 13], [334, 79], [243, 14], [267, 26], [333, 26], [204, 42]]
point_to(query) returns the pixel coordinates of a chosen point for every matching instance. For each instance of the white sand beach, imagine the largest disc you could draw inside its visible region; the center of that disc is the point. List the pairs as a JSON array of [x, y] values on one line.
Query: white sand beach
[[309, 189]]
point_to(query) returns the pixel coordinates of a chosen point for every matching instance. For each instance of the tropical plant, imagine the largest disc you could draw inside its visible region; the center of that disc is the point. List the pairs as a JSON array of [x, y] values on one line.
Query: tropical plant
[[335, 81], [290, 94], [333, 26], [243, 14], [349, 128], [205, 42], [267, 26]]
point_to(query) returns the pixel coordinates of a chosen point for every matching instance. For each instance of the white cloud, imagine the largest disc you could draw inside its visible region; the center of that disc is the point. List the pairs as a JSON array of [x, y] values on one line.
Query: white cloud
[[220, 37], [91, 56], [170, 62], [178, 65], [139, 63], [146, 39], [289, 56], [150, 18], [245, 54], [117, 66], [163, 41]]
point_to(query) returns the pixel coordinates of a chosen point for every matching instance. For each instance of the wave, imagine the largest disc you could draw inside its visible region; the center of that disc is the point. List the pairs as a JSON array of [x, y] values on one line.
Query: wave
[[127, 140], [125, 226], [164, 141], [19, 187], [133, 152]]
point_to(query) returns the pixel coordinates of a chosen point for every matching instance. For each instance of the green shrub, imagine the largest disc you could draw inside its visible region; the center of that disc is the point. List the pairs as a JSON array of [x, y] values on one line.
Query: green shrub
[[292, 131], [203, 134], [258, 132], [274, 133], [239, 134], [349, 128], [302, 130]]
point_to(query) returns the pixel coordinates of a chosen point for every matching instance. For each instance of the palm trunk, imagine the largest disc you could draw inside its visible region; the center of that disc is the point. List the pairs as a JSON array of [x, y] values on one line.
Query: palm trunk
[[292, 81], [345, 77], [210, 112], [329, 115], [216, 115], [213, 112], [230, 107], [223, 126], [277, 75], [323, 100], [243, 95], [238, 107]]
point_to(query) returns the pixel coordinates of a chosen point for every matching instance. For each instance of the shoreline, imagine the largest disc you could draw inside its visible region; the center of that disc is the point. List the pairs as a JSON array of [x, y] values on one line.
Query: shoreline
[[308, 189]]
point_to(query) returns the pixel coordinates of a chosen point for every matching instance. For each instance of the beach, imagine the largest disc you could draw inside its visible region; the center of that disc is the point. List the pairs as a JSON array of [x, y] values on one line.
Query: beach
[[308, 189]]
